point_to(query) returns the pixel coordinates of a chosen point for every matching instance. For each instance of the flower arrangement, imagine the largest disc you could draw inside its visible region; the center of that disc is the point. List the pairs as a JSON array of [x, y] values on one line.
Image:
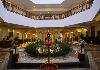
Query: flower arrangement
[[41, 49]]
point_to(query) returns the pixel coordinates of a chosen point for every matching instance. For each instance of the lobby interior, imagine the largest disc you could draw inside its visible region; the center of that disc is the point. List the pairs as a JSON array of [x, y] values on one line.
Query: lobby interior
[[35, 36]]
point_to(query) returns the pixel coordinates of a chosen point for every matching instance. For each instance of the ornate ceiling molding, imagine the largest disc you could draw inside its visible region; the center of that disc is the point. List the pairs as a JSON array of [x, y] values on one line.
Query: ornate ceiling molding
[[74, 10]]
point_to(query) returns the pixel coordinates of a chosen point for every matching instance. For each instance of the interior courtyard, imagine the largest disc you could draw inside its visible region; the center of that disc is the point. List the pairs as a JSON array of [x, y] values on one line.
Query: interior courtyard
[[37, 35]]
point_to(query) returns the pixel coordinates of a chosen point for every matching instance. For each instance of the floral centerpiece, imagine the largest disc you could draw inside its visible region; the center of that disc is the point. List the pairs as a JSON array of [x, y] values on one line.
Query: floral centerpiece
[[40, 48]]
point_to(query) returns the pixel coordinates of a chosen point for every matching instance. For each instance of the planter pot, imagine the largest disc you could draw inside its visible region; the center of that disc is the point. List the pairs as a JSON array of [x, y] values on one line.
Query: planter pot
[[15, 57], [81, 57], [48, 66]]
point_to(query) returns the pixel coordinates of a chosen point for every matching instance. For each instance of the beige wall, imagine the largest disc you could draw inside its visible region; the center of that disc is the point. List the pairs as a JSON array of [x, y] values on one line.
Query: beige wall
[[97, 27], [97, 17], [3, 32], [97, 23], [41, 32]]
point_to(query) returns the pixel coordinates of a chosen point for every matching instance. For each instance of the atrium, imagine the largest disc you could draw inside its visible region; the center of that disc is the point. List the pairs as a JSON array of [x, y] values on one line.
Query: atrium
[[49, 34]]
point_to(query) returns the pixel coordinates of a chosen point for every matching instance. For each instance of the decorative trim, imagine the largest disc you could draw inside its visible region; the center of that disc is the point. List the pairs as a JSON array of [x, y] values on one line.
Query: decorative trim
[[77, 9]]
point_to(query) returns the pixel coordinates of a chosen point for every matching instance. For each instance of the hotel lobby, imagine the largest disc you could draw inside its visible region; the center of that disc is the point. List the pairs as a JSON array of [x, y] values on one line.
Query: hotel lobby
[[49, 35]]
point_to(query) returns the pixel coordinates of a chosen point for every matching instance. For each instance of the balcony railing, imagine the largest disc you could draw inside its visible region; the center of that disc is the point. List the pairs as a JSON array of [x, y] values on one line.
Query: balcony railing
[[18, 10]]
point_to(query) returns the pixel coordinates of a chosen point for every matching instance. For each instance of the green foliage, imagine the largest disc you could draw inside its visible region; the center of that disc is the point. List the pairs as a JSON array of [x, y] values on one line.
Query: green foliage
[[31, 49], [56, 49]]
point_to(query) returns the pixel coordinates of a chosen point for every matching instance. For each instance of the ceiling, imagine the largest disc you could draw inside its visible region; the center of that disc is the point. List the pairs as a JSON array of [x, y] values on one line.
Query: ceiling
[[28, 5], [47, 1]]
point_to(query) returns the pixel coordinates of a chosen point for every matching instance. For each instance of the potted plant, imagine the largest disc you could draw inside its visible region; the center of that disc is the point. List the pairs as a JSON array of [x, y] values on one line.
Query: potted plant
[[81, 55], [15, 55]]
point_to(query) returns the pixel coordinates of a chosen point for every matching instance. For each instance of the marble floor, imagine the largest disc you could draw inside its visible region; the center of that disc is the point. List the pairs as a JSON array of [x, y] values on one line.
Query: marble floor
[[91, 61], [70, 57], [92, 55]]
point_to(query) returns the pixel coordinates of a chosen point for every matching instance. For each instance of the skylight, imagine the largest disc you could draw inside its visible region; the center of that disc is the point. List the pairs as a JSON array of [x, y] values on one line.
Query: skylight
[[47, 1]]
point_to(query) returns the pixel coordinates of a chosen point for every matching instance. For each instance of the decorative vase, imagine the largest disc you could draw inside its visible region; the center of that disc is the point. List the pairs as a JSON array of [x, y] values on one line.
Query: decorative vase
[[15, 57], [81, 57], [48, 66]]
